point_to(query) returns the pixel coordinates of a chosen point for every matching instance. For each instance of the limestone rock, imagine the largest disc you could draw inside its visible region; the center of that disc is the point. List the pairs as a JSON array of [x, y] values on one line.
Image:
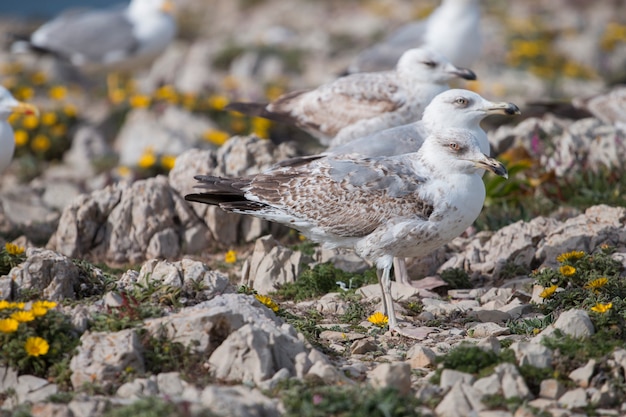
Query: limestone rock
[[575, 398], [238, 401], [420, 356], [573, 322], [271, 265], [551, 388], [124, 224], [103, 356], [532, 354], [50, 274], [582, 375], [450, 377], [461, 401], [394, 375]]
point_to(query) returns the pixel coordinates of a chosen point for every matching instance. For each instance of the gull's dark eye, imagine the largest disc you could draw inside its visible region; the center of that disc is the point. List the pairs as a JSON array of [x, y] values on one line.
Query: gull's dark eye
[[454, 146], [431, 64], [461, 101]]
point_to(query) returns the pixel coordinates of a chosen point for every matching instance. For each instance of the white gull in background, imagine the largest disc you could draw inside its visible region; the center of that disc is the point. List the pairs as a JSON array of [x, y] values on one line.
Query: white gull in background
[[118, 39], [399, 206], [8, 105], [453, 29], [359, 104], [454, 108]]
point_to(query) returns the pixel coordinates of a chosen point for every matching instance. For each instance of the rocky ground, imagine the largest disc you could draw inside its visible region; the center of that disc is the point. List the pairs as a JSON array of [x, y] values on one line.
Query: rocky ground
[[133, 302]]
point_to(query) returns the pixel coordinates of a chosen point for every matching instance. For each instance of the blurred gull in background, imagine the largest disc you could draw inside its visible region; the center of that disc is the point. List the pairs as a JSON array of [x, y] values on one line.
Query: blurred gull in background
[[8, 105], [453, 30]]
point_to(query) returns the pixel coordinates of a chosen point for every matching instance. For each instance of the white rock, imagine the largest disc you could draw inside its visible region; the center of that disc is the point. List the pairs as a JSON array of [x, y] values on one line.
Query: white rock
[[575, 323], [8, 378], [103, 356], [575, 398], [449, 377], [170, 384], [32, 389], [582, 375], [481, 330], [392, 375], [138, 388], [238, 401], [461, 401], [326, 372], [489, 385], [532, 354], [551, 388], [420, 356], [271, 265]]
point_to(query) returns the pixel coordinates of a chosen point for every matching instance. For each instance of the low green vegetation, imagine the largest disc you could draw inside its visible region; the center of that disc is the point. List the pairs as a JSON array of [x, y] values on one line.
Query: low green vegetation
[[311, 399]]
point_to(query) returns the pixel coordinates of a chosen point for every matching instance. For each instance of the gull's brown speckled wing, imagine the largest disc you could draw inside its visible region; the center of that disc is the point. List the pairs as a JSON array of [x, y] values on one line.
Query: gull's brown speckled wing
[[346, 197], [347, 100]]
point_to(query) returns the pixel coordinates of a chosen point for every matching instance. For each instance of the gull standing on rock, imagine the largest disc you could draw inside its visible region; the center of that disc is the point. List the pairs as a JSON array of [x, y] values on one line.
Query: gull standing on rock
[[454, 108], [359, 104], [399, 206], [8, 105], [117, 39], [453, 29]]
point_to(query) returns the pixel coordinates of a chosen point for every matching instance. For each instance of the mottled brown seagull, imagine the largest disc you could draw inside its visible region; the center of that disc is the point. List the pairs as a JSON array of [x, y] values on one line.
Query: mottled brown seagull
[[360, 104], [454, 108], [382, 207]]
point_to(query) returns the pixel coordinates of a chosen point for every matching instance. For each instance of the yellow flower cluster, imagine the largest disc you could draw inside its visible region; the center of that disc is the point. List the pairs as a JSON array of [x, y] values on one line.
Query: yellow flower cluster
[[567, 270], [267, 302], [149, 159], [596, 284], [602, 308], [17, 314], [13, 249], [378, 319], [570, 256], [548, 292]]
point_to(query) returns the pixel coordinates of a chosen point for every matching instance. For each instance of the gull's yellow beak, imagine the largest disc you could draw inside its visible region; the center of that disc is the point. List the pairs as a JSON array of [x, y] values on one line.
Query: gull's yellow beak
[[493, 165]]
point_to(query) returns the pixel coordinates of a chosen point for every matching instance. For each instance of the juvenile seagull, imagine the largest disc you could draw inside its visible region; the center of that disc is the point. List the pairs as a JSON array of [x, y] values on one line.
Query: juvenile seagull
[[359, 104], [8, 105], [453, 29], [399, 206], [454, 108], [117, 39]]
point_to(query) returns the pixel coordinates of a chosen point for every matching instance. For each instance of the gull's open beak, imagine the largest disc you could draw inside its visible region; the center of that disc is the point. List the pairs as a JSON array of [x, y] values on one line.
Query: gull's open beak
[[508, 109], [167, 7], [25, 108], [491, 164], [464, 73]]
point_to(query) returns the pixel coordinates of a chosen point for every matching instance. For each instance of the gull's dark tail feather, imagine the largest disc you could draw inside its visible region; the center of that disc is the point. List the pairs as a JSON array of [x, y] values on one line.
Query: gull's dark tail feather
[[226, 193], [260, 110]]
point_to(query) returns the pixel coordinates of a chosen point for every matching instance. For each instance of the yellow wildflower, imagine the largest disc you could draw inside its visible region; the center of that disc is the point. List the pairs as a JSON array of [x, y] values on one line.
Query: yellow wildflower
[[217, 137], [38, 78], [49, 118], [548, 292], [30, 122], [166, 93], [261, 126], [567, 270], [139, 101], [267, 302], [17, 305], [21, 137], [70, 110], [123, 171], [13, 249], [570, 256], [602, 308], [57, 92], [4, 304], [117, 95], [378, 319], [230, 257], [597, 284], [24, 93], [189, 100], [8, 325], [36, 346], [168, 162], [23, 316], [237, 124], [40, 143], [217, 102], [273, 92], [47, 304], [38, 311], [58, 130], [147, 160]]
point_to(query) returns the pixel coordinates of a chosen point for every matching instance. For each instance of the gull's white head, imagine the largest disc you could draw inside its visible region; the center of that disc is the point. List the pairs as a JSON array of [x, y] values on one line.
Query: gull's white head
[[426, 65], [8, 105], [459, 108], [458, 151]]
